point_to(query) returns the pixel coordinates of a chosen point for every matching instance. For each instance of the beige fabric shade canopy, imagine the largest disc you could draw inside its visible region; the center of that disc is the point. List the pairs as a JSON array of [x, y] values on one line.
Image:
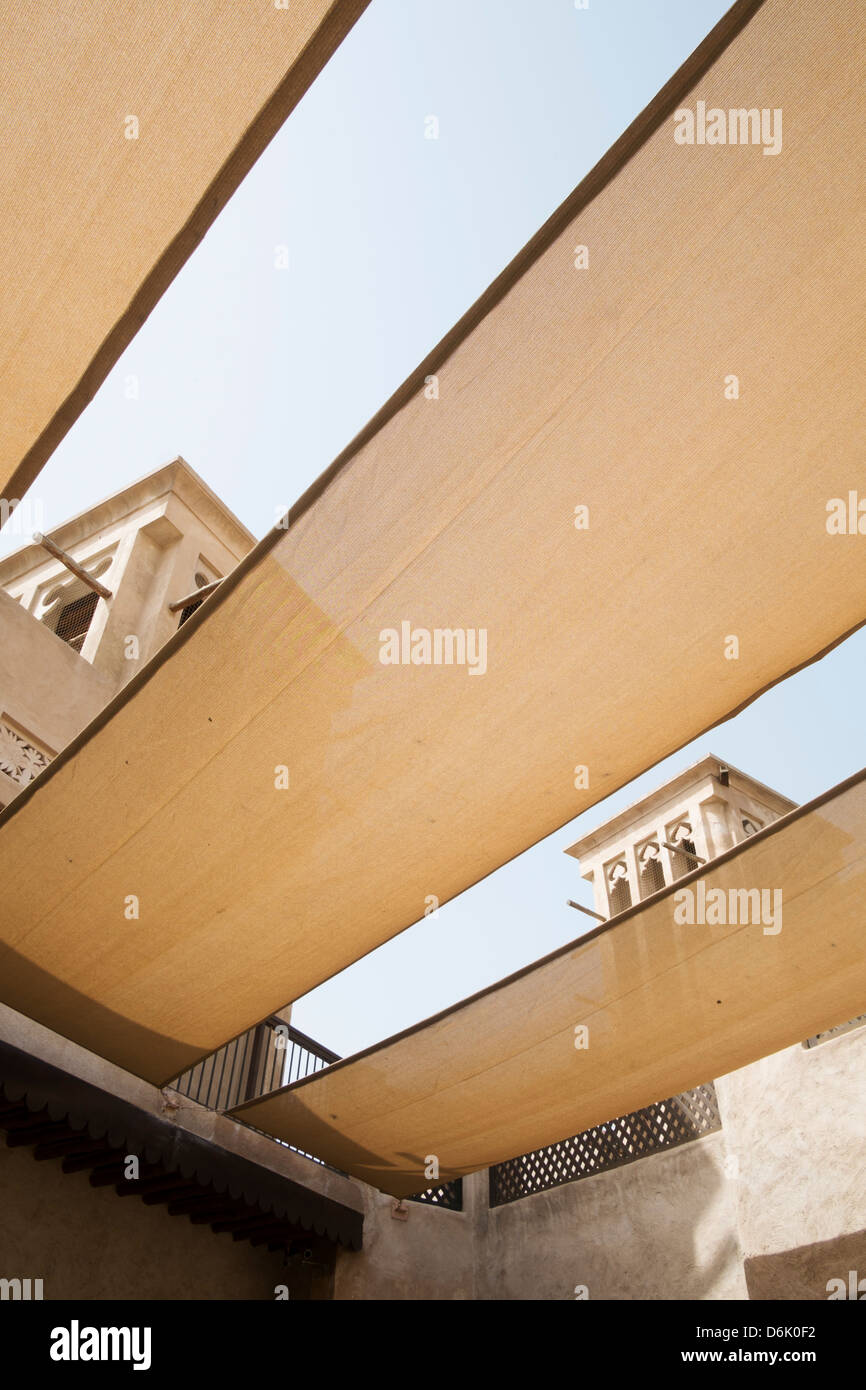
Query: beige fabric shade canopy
[[277, 798], [98, 214], [666, 1004]]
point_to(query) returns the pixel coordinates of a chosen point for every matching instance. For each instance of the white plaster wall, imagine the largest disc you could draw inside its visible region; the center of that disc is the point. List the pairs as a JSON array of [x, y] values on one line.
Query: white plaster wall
[[797, 1124], [45, 686]]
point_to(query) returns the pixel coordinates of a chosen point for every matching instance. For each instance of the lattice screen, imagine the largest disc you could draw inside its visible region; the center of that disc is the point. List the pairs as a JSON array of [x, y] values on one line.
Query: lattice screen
[[834, 1032], [664, 1125], [449, 1195], [189, 610], [74, 620]]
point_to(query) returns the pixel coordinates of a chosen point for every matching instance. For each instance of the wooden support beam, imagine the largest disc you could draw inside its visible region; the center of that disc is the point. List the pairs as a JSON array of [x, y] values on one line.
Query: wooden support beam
[[200, 1203], [24, 1118], [259, 1226], [30, 1134], [80, 1143], [72, 565], [280, 1233], [214, 1212], [237, 1223], [76, 1163], [588, 910], [195, 596], [12, 1111], [686, 853], [153, 1181], [181, 1189], [107, 1174]]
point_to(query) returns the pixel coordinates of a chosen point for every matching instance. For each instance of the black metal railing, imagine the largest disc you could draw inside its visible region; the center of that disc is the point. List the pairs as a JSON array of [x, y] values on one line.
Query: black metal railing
[[665, 1125], [271, 1055]]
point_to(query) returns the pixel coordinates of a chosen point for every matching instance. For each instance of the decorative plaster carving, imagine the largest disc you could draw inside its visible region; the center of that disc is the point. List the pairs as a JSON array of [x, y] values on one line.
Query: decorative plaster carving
[[20, 758]]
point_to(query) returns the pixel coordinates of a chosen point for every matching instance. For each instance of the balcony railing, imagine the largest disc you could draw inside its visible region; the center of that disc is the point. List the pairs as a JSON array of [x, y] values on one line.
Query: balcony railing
[[271, 1055]]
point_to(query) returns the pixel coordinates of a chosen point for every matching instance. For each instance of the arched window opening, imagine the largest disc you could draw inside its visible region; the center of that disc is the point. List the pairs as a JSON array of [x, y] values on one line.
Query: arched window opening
[[201, 581], [684, 860], [618, 890], [652, 875]]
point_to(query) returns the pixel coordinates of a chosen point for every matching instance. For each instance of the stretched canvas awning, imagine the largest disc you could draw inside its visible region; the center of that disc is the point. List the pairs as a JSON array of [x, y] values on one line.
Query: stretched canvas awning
[[273, 798], [126, 130], [665, 1003]]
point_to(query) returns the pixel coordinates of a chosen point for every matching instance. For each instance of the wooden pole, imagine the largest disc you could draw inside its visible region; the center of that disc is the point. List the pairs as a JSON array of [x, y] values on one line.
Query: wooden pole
[[78, 570], [195, 596], [588, 910], [686, 853]]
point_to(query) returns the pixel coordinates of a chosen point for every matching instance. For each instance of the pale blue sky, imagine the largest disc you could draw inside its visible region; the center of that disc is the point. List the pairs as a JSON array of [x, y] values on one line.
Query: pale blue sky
[[259, 376]]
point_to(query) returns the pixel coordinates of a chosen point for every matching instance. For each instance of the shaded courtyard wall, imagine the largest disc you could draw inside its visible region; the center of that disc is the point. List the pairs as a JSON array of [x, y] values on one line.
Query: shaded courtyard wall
[[88, 1243], [663, 1227], [431, 1256], [771, 1206], [796, 1122]]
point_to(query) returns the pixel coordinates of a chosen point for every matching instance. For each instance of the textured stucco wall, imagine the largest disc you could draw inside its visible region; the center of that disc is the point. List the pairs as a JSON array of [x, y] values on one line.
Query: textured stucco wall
[[87, 1242], [44, 685], [806, 1273], [663, 1227], [796, 1122], [429, 1257]]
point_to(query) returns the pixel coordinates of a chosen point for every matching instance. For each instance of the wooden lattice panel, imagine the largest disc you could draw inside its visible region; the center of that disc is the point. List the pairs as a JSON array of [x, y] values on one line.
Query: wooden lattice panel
[[449, 1195], [664, 1125]]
